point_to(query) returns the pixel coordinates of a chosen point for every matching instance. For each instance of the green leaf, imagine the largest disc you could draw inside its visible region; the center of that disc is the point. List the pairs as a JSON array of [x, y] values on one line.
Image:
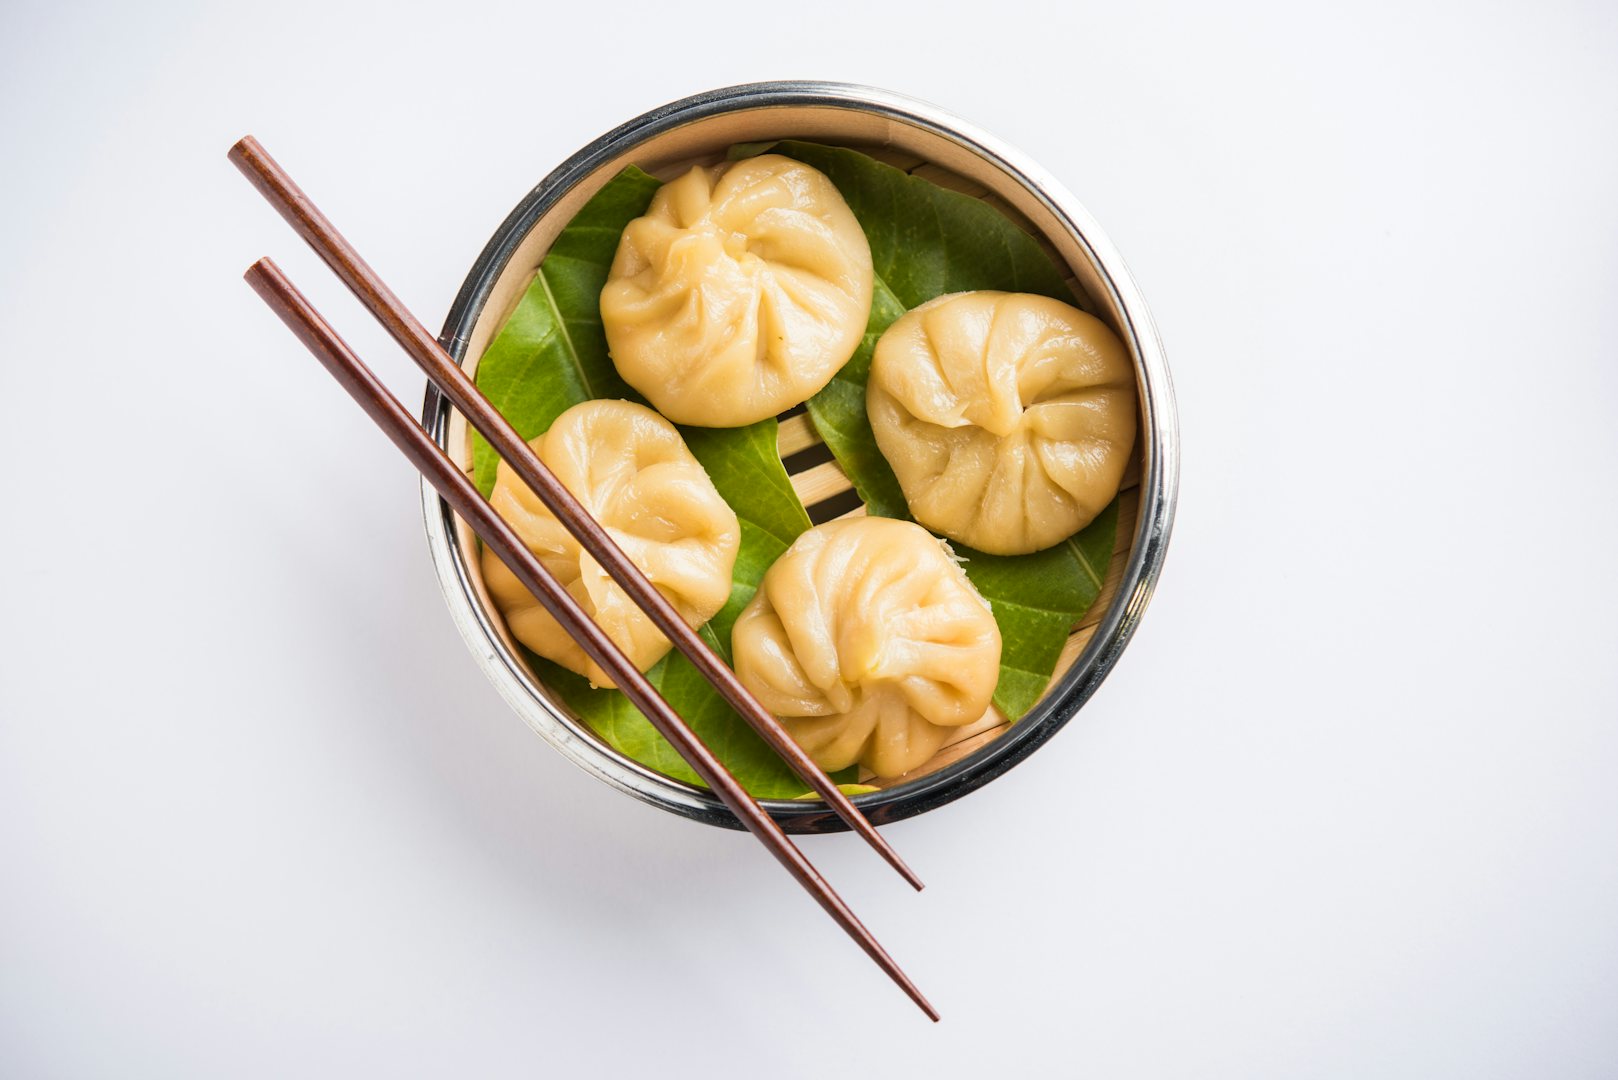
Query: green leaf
[[838, 413], [1037, 599], [550, 355], [745, 465], [927, 241]]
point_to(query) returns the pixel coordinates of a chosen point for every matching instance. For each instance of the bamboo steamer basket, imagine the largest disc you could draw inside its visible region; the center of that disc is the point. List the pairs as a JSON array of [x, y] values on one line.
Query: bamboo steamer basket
[[927, 142]]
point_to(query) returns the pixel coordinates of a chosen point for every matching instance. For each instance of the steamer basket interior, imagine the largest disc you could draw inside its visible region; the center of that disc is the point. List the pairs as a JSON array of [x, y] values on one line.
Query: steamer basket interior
[[700, 131]]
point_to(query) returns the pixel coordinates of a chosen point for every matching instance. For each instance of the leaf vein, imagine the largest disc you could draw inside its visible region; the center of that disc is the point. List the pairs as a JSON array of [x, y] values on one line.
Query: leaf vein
[[567, 338]]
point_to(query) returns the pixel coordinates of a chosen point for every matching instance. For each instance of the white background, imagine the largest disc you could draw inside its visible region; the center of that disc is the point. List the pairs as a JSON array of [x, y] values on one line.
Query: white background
[[1347, 808]]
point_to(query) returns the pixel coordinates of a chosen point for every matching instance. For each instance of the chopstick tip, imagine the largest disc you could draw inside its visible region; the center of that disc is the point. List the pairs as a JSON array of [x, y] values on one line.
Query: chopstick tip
[[885, 849]]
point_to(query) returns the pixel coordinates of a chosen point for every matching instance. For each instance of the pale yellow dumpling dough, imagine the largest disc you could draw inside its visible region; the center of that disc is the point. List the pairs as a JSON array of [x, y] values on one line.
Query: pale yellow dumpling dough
[[1008, 418], [869, 643], [739, 293], [634, 474]]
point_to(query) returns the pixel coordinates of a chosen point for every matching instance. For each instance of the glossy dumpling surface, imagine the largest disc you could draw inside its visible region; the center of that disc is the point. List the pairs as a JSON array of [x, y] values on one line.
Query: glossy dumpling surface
[[869, 643], [634, 474], [739, 293], [1008, 418]]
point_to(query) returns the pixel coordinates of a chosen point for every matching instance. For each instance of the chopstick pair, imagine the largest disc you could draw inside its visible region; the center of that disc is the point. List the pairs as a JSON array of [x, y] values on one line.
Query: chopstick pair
[[456, 488]]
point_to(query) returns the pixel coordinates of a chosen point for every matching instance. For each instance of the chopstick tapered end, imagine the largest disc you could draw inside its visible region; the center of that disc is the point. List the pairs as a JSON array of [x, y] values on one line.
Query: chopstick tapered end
[[909, 875], [862, 825]]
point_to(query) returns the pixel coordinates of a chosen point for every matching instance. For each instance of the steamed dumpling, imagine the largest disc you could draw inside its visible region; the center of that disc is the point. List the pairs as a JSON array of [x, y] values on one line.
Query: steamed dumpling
[[1008, 418], [635, 476], [869, 643], [740, 292]]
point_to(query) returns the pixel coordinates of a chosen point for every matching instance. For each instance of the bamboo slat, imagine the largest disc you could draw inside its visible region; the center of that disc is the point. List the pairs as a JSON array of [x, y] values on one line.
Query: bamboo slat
[[820, 482], [797, 433]]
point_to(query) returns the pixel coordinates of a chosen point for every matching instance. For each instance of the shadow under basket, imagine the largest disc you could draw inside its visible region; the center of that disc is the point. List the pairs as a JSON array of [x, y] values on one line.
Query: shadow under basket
[[926, 142]]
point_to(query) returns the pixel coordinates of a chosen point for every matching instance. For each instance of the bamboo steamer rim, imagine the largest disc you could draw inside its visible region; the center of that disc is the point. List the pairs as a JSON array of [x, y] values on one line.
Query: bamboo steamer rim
[[926, 141]]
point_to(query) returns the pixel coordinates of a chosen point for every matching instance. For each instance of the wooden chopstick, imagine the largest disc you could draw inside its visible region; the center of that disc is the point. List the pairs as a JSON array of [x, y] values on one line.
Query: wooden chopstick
[[382, 407], [300, 212]]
